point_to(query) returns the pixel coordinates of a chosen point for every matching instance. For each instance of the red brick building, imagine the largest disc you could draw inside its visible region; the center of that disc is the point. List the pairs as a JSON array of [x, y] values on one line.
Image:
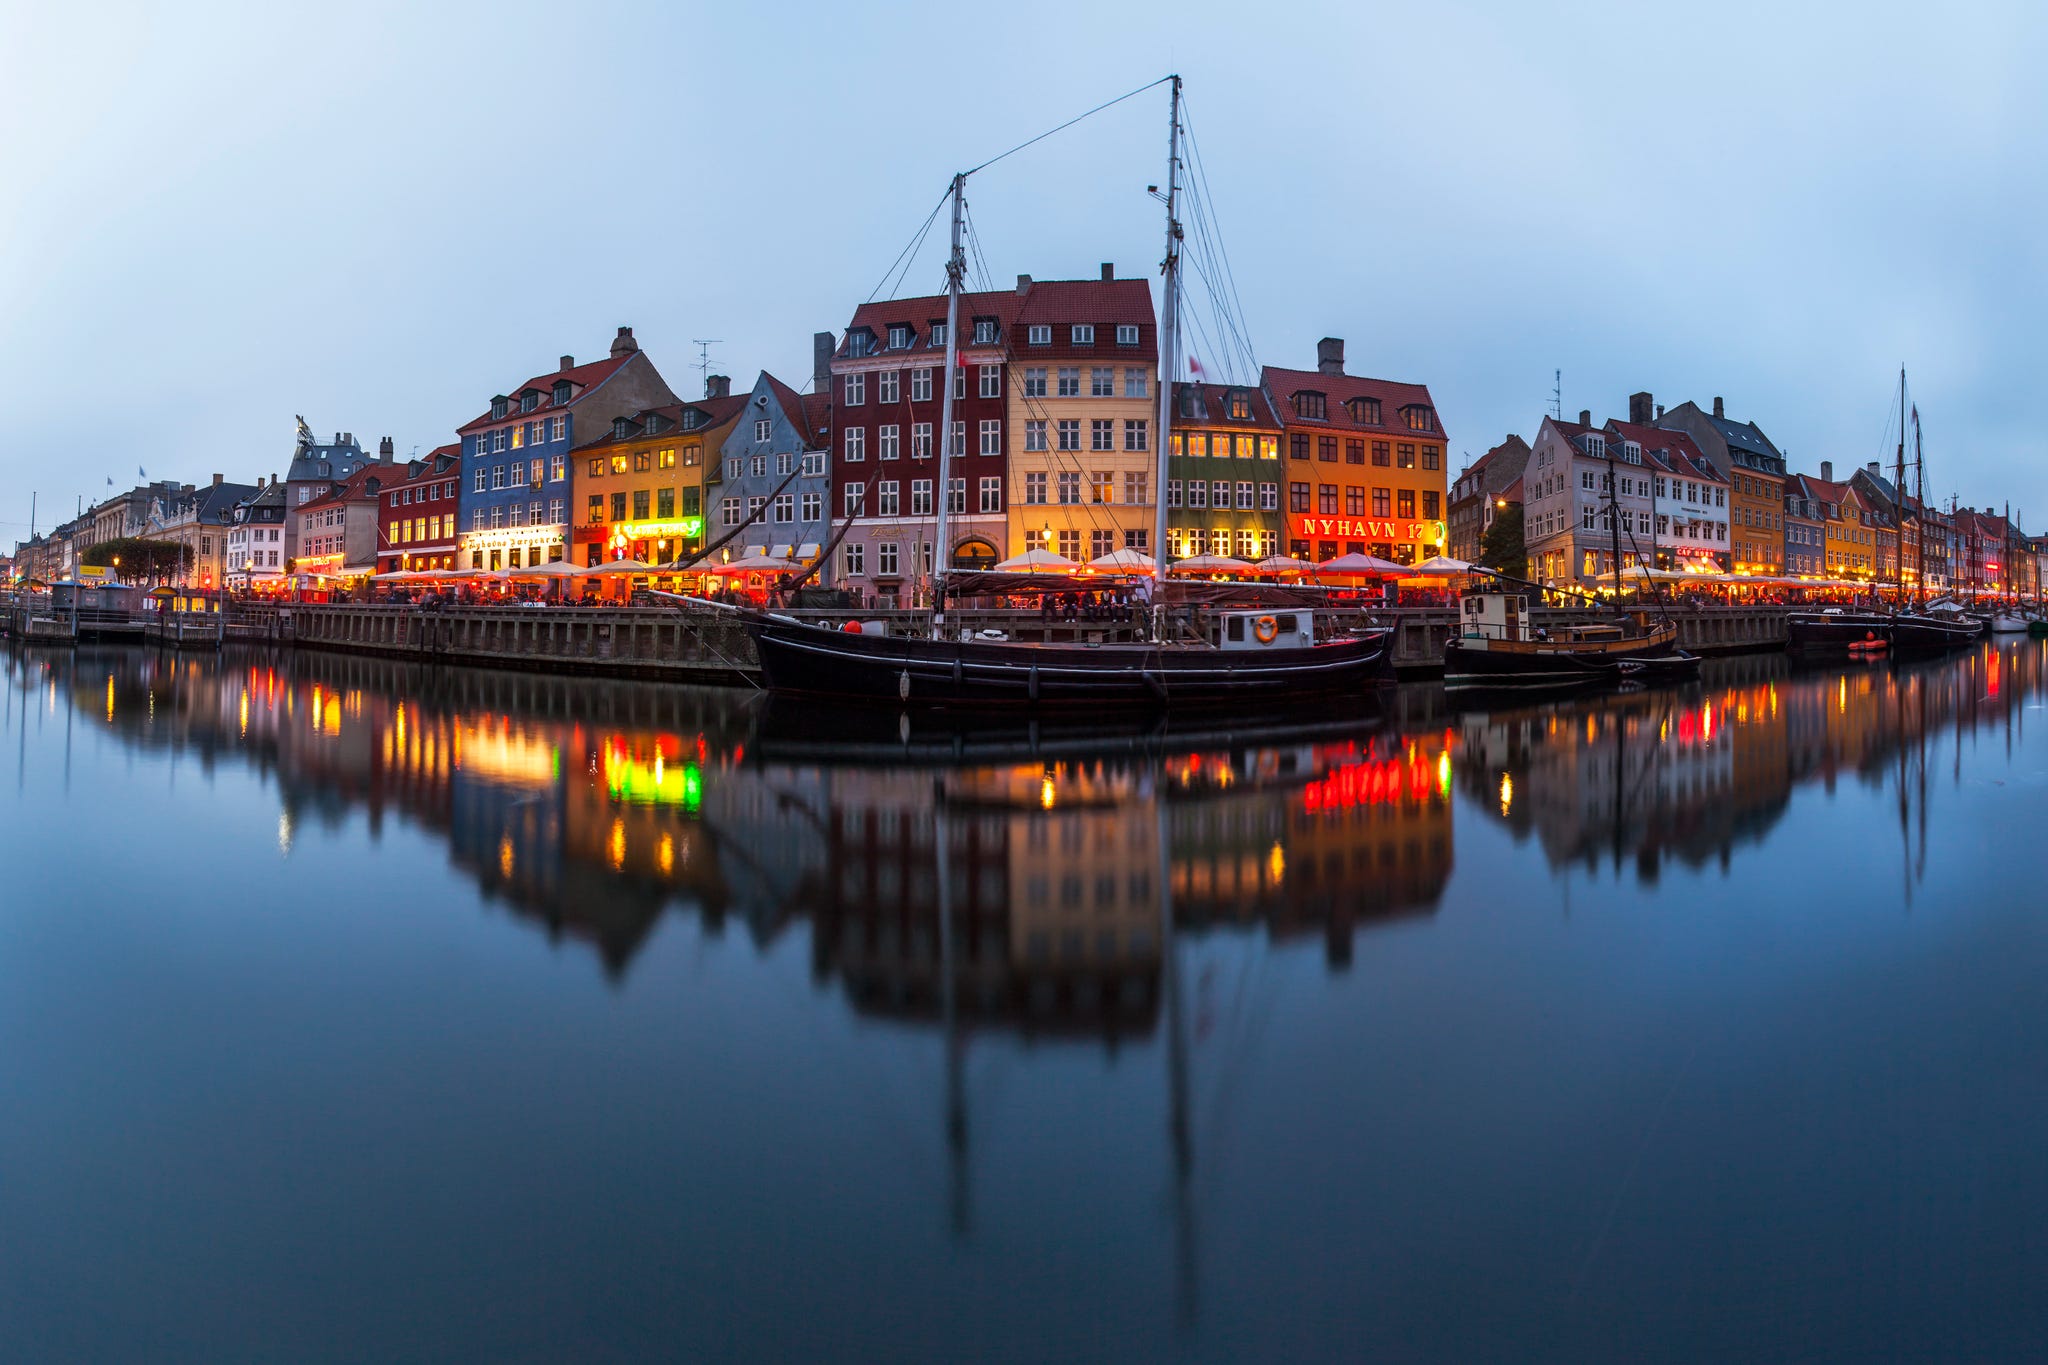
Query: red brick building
[[416, 514]]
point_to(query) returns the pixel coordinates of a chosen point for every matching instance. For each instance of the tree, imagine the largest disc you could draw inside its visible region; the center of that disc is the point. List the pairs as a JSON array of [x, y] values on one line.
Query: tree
[[134, 558], [1501, 547]]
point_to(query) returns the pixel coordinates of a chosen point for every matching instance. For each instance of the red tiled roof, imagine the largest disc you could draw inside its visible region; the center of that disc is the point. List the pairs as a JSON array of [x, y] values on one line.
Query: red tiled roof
[[584, 377], [1340, 389], [918, 314], [1513, 492], [1674, 449], [1107, 304], [811, 414], [353, 488]]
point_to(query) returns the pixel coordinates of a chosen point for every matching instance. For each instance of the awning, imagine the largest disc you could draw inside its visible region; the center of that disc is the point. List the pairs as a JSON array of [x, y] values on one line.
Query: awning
[[808, 550], [756, 552], [782, 552]]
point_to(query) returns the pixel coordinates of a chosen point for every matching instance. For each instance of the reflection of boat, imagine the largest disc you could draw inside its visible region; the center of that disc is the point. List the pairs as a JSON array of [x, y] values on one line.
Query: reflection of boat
[[1834, 628], [2008, 623], [1677, 666], [1497, 648], [804, 659]]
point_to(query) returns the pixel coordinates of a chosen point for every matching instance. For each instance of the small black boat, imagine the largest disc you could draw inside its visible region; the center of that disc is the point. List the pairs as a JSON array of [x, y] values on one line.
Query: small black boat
[[1677, 666], [1835, 629], [1262, 655]]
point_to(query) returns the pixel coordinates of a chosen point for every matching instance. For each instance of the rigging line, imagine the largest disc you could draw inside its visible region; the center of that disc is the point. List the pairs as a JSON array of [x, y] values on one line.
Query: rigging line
[[916, 240], [1207, 198], [1068, 124]]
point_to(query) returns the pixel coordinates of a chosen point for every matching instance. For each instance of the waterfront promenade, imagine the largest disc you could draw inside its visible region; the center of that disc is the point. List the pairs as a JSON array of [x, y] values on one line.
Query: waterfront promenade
[[709, 646]]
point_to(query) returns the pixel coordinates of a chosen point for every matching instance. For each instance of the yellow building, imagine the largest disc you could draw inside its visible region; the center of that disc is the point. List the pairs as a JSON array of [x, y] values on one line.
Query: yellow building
[[639, 492], [1083, 406]]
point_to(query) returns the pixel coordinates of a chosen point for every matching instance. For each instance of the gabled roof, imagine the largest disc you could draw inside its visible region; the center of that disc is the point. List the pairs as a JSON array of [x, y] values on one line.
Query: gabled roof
[[216, 502], [1106, 304], [582, 377], [1745, 436], [810, 414], [1821, 490], [1340, 389], [354, 488], [712, 413], [1673, 449], [1512, 493]]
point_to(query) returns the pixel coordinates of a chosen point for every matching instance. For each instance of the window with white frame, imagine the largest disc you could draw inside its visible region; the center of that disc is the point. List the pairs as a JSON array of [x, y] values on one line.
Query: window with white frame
[[785, 507], [885, 558], [921, 384], [984, 331], [1137, 433], [482, 478], [888, 501], [1034, 433], [1173, 492], [1269, 497], [956, 497], [1041, 334], [729, 512], [785, 462], [889, 441], [991, 493], [1070, 381], [888, 386], [1070, 433], [856, 445], [764, 428], [1127, 334], [814, 463], [757, 465], [1101, 382], [814, 506], [991, 381], [938, 334], [1034, 381], [1070, 486], [856, 499], [920, 440], [1136, 383], [1034, 487], [856, 390], [1137, 487], [959, 438], [856, 560], [991, 436], [899, 337], [1084, 334], [920, 497], [1198, 492], [1101, 433]]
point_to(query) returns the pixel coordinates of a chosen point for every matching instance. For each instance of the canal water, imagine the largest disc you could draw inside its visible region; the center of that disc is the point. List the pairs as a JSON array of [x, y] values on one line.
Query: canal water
[[361, 1011]]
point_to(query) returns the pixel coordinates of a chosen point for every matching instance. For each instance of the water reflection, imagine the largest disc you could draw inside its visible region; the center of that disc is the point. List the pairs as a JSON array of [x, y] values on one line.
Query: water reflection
[[1284, 979], [591, 809]]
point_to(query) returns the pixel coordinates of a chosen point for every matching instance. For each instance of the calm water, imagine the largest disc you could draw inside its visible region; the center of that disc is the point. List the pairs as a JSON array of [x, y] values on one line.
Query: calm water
[[355, 1011]]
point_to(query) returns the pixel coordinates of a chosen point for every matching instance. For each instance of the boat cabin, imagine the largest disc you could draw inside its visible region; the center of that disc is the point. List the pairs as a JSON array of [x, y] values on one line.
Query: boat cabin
[[1495, 616], [1249, 630]]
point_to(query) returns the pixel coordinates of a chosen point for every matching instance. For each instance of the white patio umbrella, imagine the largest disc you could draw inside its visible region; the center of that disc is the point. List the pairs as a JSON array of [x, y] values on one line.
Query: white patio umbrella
[[560, 568], [1276, 564], [757, 564], [622, 566], [1210, 564], [1037, 561], [1441, 565], [1123, 561]]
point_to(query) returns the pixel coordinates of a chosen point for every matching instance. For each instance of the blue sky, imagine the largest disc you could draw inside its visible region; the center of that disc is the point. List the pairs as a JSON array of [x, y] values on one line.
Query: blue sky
[[218, 216]]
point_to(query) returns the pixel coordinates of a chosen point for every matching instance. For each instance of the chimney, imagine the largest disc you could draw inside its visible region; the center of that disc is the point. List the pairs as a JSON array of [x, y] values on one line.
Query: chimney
[[259, 483], [216, 481], [384, 451], [1639, 409], [1330, 355], [1585, 417], [822, 346], [568, 363], [1660, 412], [1827, 467], [1876, 470], [718, 386], [623, 343], [1108, 271], [1023, 284], [1718, 410]]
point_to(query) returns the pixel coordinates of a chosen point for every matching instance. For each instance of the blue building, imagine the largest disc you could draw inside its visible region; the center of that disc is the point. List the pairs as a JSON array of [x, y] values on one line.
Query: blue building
[[514, 502], [782, 433]]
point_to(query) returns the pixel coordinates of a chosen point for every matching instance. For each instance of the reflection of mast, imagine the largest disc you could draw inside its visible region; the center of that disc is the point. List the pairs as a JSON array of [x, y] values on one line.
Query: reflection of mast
[[1187, 1283], [956, 1046]]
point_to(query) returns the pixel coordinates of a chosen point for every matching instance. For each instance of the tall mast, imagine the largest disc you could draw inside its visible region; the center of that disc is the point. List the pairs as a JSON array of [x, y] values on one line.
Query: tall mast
[[1169, 336], [1614, 521], [1920, 496], [1899, 496], [956, 270]]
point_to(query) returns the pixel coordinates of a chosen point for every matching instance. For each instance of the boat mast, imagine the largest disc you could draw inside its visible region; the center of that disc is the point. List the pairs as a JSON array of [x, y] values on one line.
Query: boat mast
[[1614, 521], [1898, 500], [1169, 336], [1920, 496], [956, 270]]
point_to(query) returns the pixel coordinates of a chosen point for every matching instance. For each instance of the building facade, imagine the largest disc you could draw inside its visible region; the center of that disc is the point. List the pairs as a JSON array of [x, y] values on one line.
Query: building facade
[[1224, 473], [1754, 470], [200, 519], [777, 468], [416, 517], [340, 531], [257, 547], [1805, 522], [515, 487], [1476, 493], [1567, 524], [1689, 498], [1083, 400], [641, 486], [1364, 460], [886, 409]]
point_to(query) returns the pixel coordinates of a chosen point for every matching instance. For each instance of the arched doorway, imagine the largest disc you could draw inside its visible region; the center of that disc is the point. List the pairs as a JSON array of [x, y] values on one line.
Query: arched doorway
[[975, 553]]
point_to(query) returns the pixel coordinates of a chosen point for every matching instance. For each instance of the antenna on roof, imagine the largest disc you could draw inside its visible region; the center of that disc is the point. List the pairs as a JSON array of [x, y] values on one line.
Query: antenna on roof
[[1557, 395], [703, 366]]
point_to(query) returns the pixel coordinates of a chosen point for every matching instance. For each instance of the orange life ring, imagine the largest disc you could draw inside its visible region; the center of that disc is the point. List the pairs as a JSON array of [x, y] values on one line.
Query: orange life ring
[[1267, 629]]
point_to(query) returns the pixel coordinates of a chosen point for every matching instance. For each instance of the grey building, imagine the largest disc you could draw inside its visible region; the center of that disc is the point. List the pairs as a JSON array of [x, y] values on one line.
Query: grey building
[[783, 437], [1474, 492]]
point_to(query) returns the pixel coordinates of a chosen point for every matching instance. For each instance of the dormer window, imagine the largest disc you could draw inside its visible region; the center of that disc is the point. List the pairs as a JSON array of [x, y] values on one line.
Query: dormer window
[[1240, 405], [1418, 417], [692, 419], [652, 425], [1311, 405], [1631, 452], [1041, 334], [562, 391], [899, 336], [1596, 444], [1127, 334], [984, 331], [529, 400], [938, 334], [622, 427], [1364, 411], [500, 405], [1084, 334]]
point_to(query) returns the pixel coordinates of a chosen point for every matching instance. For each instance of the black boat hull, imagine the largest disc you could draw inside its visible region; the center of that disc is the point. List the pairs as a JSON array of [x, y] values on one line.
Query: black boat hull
[[804, 660], [1822, 632], [1556, 669]]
